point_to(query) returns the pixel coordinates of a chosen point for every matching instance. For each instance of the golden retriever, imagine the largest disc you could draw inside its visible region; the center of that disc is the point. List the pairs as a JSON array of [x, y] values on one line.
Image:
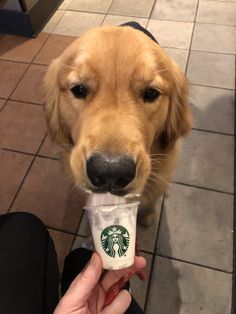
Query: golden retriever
[[118, 105]]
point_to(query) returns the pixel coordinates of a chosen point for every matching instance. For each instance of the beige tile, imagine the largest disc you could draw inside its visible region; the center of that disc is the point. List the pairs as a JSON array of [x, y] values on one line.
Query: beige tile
[[223, 0], [216, 12], [181, 288], [22, 127], [214, 38], [171, 33], [11, 73], [212, 108], [53, 48], [139, 287], [96, 6], [196, 226], [13, 167], [65, 4], [207, 161], [17, 48], [132, 7], [54, 20], [48, 194], [181, 10], [30, 88], [180, 56], [50, 149], [62, 242], [2, 103], [75, 23], [118, 20], [210, 69]]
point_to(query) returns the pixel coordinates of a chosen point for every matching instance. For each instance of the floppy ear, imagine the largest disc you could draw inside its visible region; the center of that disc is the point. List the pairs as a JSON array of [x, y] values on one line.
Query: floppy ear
[[179, 119], [57, 129]]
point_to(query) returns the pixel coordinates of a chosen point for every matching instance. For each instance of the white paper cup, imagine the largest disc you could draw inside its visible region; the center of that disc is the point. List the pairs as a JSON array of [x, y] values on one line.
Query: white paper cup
[[114, 233]]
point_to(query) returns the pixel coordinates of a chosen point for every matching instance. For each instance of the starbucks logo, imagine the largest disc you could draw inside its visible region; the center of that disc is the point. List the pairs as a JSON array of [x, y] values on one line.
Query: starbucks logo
[[115, 240]]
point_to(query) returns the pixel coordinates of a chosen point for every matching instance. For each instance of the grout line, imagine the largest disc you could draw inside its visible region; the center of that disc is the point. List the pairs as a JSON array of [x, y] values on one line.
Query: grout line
[[77, 229], [223, 88], [208, 23], [32, 62], [153, 255], [47, 157], [202, 188], [192, 22], [26, 174], [16, 151], [226, 1], [17, 84], [61, 230], [152, 9], [82, 236], [211, 86], [28, 154], [14, 61], [194, 264], [213, 52], [120, 15], [214, 132], [176, 48], [4, 104], [106, 14], [103, 20], [24, 102], [233, 299], [191, 40], [84, 11], [147, 252], [47, 64], [50, 33]]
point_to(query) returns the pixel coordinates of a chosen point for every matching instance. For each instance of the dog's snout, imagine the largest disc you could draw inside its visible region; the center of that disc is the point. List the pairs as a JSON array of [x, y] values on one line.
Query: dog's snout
[[110, 172]]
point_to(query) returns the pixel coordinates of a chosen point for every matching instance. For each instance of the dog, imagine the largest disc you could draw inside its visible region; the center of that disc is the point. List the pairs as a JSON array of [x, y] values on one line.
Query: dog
[[118, 105]]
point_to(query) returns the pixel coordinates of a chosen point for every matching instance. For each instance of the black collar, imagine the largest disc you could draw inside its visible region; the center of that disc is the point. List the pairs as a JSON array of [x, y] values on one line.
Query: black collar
[[137, 26]]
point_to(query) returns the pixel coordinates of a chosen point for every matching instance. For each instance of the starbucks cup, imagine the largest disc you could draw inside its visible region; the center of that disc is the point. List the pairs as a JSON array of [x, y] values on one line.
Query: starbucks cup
[[113, 224]]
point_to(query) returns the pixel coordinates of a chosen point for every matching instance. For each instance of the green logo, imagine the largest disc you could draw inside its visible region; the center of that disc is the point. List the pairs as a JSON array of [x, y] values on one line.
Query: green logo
[[115, 240]]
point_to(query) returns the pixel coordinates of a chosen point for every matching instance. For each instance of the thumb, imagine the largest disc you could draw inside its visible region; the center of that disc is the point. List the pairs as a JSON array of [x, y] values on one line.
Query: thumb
[[82, 286]]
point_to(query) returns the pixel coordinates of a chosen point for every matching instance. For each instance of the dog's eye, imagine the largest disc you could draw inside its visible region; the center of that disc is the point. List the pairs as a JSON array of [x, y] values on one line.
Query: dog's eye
[[150, 94], [80, 91]]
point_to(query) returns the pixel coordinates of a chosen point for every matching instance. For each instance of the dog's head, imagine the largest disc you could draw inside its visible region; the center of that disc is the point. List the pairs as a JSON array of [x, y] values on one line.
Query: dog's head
[[110, 96]]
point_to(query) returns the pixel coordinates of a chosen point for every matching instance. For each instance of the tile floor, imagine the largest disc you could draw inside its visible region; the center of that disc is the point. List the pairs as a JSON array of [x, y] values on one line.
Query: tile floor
[[189, 248]]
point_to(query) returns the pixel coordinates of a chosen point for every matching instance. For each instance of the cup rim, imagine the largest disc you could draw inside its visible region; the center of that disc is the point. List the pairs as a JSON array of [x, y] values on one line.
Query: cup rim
[[111, 206]]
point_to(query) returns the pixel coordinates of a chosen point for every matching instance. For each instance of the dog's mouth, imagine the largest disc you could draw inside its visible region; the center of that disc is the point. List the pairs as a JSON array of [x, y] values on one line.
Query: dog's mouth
[[117, 192]]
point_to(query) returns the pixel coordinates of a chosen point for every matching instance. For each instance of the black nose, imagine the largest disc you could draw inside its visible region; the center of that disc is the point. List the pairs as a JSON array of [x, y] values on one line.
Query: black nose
[[110, 172]]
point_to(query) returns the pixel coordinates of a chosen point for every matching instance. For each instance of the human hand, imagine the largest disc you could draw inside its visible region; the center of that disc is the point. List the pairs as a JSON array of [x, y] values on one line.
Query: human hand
[[86, 294]]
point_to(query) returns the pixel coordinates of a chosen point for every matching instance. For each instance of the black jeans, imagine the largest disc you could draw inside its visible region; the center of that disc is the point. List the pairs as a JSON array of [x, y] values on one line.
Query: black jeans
[[29, 275]]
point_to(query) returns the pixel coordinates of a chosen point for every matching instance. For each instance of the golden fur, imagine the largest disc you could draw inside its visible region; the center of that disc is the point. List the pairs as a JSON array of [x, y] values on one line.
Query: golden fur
[[118, 63]]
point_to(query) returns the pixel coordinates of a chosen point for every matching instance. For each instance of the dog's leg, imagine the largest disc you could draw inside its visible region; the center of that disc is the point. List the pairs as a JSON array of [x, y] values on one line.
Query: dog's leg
[[147, 211]]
